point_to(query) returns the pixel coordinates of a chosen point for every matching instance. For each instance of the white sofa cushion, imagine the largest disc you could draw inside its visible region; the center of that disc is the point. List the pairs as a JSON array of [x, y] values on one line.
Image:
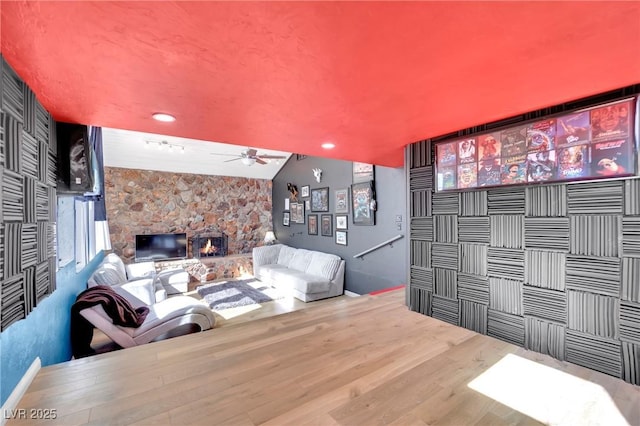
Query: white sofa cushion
[[267, 271], [286, 255], [107, 274], [323, 264], [301, 260], [301, 281]]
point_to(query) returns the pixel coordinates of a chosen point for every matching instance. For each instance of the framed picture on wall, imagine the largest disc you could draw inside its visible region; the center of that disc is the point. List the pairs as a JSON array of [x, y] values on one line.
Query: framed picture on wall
[[307, 205], [326, 225], [285, 218], [341, 238], [304, 191], [341, 221], [363, 203], [320, 200], [342, 200], [286, 204], [312, 226], [362, 172], [299, 212]]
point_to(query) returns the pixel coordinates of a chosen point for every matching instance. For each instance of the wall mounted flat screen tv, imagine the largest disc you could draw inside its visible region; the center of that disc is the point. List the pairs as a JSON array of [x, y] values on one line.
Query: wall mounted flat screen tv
[[592, 143], [152, 247]]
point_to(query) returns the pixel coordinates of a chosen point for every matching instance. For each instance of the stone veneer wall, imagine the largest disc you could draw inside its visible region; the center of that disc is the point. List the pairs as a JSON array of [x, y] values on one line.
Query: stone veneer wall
[[143, 201]]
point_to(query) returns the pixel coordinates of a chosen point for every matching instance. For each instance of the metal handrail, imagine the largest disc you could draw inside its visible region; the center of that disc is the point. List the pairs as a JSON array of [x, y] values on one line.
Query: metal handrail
[[374, 248]]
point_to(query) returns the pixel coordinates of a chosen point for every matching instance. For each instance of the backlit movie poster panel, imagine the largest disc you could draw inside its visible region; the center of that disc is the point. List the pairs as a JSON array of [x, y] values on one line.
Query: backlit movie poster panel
[[593, 143]]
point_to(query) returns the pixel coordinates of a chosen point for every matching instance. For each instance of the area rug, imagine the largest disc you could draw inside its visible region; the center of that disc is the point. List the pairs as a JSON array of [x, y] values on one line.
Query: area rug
[[230, 294]]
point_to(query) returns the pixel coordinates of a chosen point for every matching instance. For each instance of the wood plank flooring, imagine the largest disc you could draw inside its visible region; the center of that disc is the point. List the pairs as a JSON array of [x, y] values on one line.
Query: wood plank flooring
[[346, 361]]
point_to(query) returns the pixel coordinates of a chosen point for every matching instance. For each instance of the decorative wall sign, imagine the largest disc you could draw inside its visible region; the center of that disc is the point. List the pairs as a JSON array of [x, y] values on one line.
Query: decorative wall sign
[[363, 203], [320, 200], [342, 200], [326, 225], [362, 172]]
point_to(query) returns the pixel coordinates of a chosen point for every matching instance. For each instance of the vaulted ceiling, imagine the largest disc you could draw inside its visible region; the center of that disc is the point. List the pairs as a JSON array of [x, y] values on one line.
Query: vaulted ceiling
[[370, 77]]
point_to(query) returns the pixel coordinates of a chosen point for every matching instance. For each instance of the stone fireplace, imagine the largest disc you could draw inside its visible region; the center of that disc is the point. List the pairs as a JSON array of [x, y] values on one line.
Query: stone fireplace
[[209, 245]]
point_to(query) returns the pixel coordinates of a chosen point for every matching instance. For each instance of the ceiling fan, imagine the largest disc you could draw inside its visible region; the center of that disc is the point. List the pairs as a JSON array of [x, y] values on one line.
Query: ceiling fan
[[250, 156]]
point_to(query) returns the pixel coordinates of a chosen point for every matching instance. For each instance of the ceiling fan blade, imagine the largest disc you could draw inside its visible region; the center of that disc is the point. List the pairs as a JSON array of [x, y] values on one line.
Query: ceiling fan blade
[[233, 159], [260, 161], [273, 157]]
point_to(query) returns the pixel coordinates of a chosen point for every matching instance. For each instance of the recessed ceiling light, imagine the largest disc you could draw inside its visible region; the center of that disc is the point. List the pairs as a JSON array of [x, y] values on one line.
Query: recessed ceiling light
[[328, 145], [167, 118]]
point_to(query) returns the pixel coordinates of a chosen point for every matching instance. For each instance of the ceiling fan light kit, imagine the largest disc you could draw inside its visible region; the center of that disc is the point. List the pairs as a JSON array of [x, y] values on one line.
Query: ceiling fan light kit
[[250, 156]]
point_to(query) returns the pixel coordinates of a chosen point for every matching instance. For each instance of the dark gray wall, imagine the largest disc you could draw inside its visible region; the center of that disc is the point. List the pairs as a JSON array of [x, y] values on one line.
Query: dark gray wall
[[383, 268]]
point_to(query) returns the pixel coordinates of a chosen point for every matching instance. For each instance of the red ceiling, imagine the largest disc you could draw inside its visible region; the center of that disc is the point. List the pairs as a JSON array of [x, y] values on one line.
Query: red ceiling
[[371, 77]]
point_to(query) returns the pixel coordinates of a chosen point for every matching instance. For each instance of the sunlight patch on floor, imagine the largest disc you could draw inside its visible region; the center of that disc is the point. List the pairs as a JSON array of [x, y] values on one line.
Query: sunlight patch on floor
[[547, 395], [238, 311]]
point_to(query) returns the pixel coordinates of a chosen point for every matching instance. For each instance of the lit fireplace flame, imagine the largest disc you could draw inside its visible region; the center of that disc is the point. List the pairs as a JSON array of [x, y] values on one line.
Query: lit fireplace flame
[[208, 248]]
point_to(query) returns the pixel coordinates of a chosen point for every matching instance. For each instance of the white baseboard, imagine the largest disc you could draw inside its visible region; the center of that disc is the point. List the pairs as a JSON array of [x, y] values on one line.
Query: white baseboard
[[351, 294], [21, 388]]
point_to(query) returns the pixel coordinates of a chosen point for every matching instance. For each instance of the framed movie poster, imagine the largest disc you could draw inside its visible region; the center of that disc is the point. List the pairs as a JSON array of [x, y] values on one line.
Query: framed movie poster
[[320, 200], [342, 201], [285, 218], [362, 172], [312, 226], [363, 203], [341, 238], [326, 225], [299, 212]]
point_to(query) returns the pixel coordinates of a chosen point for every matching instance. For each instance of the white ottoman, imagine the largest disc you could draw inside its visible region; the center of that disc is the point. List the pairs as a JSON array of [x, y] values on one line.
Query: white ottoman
[[174, 281]]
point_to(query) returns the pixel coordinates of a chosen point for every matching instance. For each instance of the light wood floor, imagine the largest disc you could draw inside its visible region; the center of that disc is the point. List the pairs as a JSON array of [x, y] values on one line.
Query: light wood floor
[[348, 361]]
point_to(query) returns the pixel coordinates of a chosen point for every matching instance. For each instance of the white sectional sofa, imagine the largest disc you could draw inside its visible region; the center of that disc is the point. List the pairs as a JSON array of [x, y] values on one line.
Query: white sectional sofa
[[305, 274]]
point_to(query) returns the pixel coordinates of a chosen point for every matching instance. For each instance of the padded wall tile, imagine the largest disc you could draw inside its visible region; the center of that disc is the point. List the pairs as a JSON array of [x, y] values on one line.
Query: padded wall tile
[[474, 229], [507, 231], [545, 269], [420, 300], [52, 169], [604, 197], [53, 137], [12, 143], [544, 303], [550, 233], [545, 337], [506, 263], [446, 310], [593, 352], [41, 281], [12, 250], [446, 203], [30, 156], [631, 363], [632, 197], [631, 236], [421, 178], [43, 162], [474, 288], [506, 327], [505, 295], [2, 144], [473, 258], [51, 240], [546, 200], [42, 124], [29, 245], [506, 201], [422, 228], [630, 322], [594, 274], [29, 111], [420, 154], [630, 280], [12, 95], [473, 316], [473, 203], [42, 241], [29, 286], [444, 255], [445, 228], [445, 283], [12, 301], [41, 203], [420, 203], [593, 314], [421, 253], [422, 278], [1, 251], [29, 200], [53, 262], [12, 197], [595, 235]]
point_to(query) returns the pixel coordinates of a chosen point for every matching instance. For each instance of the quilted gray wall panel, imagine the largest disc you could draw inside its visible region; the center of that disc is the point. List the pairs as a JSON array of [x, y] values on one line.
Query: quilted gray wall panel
[[28, 199], [552, 267]]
